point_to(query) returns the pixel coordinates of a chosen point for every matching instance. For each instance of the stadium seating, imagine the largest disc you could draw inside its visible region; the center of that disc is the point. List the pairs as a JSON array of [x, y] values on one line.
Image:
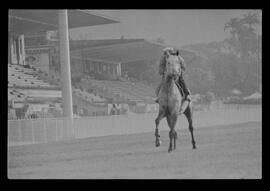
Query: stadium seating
[[15, 95], [18, 76], [134, 92], [88, 96]]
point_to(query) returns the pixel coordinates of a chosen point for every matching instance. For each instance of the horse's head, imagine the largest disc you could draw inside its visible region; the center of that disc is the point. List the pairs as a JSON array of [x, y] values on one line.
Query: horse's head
[[173, 67]]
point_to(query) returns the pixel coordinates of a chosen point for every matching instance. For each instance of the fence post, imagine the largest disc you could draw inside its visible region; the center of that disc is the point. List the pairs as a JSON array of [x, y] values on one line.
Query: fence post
[[62, 129], [75, 129], [20, 131], [44, 130], [32, 132], [56, 134], [112, 117]]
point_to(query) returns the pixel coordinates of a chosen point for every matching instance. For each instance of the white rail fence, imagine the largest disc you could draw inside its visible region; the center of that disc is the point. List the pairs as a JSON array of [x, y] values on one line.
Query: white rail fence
[[33, 131]]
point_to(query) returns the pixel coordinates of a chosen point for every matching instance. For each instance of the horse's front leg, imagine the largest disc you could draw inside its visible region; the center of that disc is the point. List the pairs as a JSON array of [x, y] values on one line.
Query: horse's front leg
[[157, 120], [158, 142], [171, 138], [172, 119]]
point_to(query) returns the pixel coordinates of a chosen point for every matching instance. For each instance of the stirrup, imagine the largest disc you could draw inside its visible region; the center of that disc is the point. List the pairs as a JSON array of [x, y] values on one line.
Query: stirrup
[[156, 100]]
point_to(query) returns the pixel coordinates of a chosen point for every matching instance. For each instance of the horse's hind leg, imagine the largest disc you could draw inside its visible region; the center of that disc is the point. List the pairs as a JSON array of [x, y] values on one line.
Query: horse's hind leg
[[188, 114], [157, 120]]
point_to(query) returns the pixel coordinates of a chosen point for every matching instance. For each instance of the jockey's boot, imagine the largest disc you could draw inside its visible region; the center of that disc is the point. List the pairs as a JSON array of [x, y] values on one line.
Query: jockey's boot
[[186, 101], [184, 106], [185, 89], [187, 97]]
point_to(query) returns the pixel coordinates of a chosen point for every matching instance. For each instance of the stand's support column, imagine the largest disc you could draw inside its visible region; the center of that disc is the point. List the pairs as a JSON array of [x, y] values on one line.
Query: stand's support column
[[65, 75], [118, 69], [65, 64]]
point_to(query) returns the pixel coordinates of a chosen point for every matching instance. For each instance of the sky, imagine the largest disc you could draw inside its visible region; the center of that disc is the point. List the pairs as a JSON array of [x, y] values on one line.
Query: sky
[[176, 27]]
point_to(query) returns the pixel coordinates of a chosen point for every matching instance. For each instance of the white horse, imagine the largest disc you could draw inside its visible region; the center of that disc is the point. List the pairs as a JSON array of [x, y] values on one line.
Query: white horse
[[171, 102]]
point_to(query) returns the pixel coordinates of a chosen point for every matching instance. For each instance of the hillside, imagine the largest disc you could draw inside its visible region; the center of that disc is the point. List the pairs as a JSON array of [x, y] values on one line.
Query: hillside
[[218, 68]]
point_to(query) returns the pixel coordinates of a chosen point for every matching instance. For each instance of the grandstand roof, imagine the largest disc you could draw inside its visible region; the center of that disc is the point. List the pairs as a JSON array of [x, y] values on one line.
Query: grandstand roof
[[29, 21], [81, 44], [123, 52]]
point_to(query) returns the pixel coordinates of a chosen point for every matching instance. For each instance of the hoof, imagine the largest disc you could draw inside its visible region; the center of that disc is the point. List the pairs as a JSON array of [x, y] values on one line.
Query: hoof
[[158, 143], [194, 147]]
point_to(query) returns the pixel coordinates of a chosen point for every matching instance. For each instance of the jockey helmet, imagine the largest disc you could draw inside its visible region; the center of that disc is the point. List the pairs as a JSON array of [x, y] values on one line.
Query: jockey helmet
[[171, 50], [168, 49]]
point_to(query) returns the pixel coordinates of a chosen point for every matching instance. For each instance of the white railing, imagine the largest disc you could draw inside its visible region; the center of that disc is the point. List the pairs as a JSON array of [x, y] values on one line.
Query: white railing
[[32, 131]]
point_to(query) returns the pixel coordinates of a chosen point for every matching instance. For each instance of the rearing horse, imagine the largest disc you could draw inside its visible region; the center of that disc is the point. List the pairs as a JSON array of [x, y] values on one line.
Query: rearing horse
[[170, 102]]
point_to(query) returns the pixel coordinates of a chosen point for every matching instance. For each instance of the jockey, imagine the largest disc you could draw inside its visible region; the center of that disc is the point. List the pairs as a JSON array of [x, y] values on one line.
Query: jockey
[[180, 83]]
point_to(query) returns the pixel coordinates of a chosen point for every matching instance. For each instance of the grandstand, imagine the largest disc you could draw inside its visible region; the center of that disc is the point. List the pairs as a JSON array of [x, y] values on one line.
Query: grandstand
[[31, 87], [19, 76], [104, 63], [90, 97], [82, 44], [121, 51], [127, 91], [98, 74], [92, 94], [26, 88], [14, 94], [98, 67]]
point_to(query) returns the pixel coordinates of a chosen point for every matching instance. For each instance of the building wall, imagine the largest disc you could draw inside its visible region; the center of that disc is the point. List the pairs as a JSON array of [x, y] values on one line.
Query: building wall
[[40, 59], [44, 62], [100, 69]]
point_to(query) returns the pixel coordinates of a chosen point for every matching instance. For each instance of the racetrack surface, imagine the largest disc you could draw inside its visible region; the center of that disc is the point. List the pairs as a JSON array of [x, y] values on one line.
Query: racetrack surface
[[228, 151]]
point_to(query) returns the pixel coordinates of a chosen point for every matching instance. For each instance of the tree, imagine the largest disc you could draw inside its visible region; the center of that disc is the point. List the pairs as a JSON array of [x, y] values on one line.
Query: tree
[[234, 25], [251, 19], [243, 35], [248, 43]]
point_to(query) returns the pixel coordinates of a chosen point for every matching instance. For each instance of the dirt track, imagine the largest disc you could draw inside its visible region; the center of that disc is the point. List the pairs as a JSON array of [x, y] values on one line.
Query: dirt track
[[232, 151]]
